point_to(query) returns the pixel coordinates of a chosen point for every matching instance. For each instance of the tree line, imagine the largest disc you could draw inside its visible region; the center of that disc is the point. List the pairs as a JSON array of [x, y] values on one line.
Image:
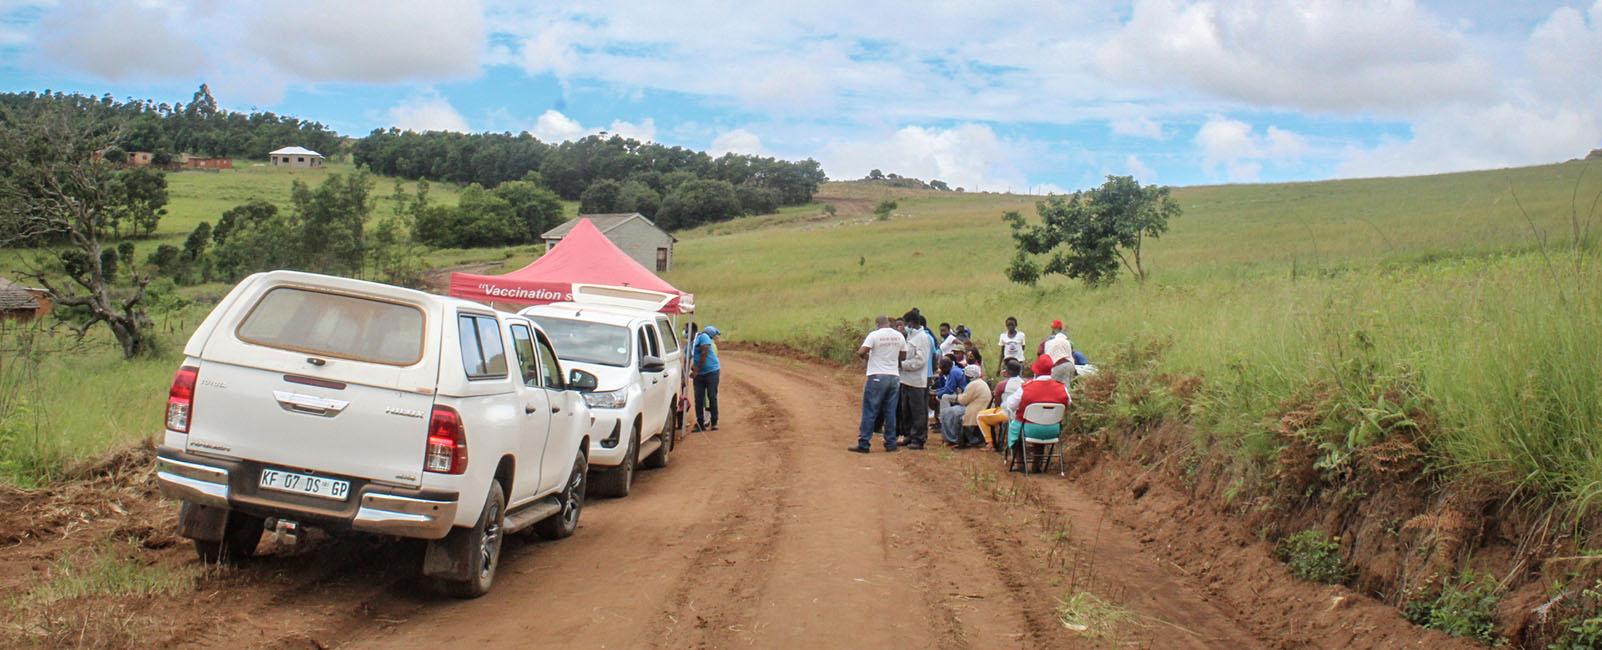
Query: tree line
[[199, 127], [606, 173]]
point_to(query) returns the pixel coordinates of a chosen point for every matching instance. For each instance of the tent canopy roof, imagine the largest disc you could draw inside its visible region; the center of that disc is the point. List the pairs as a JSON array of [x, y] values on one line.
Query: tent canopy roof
[[584, 256]]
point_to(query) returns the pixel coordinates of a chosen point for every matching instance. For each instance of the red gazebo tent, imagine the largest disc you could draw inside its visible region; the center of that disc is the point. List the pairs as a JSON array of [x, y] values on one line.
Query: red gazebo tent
[[584, 256]]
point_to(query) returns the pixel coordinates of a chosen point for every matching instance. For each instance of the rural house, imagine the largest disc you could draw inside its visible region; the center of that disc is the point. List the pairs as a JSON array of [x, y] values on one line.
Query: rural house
[[21, 303], [638, 236], [295, 157]]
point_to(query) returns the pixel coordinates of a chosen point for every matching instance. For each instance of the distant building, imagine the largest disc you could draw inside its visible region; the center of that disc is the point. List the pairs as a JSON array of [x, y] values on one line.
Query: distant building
[[139, 158], [295, 157], [187, 161], [638, 236], [21, 303]]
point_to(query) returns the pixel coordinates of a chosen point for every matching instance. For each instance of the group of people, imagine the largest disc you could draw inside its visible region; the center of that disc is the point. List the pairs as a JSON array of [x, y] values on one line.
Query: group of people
[[913, 375]]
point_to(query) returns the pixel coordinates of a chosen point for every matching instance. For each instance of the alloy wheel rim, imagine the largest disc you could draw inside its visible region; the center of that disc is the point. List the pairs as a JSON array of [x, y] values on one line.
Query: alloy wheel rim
[[491, 543], [575, 495]]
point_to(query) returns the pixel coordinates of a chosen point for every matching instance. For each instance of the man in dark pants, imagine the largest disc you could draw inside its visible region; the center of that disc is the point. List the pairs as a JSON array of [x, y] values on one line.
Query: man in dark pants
[[912, 416], [704, 371]]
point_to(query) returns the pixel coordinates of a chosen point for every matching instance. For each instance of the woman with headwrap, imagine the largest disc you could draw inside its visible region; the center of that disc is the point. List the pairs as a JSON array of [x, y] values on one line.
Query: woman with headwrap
[[956, 417]]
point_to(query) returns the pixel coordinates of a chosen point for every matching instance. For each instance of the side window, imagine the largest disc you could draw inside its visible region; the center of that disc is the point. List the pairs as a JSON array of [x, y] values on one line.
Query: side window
[[650, 336], [670, 341], [642, 348], [527, 363], [483, 354], [552, 370]]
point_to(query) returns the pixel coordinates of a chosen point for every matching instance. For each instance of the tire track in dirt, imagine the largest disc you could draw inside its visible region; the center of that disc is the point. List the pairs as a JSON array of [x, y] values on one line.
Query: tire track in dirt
[[730, 568]]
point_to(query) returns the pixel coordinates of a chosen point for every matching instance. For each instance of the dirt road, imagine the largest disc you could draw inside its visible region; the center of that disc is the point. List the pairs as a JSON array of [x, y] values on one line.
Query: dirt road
[[768, 534]]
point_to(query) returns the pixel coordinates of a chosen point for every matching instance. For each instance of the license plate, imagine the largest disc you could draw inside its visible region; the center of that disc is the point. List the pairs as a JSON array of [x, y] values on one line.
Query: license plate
[[317, 486]]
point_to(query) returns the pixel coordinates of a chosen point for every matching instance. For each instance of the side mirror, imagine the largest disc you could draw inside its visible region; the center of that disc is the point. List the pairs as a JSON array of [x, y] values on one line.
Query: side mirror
[[652, 364], [582, 381]]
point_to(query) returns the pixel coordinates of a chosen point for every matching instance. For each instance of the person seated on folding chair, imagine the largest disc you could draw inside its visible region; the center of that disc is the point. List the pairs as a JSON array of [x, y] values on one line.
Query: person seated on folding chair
[[992, 421], [959, 421], [1043, 389]]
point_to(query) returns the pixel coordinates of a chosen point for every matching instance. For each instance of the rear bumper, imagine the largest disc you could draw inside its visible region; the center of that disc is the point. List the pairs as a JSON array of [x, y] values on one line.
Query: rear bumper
[[422, 514]]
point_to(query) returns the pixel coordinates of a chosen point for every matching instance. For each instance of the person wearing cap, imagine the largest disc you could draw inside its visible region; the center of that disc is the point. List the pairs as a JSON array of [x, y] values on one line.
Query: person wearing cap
[[963, 410], [1057, 331], [704, 371], [1043, 389]]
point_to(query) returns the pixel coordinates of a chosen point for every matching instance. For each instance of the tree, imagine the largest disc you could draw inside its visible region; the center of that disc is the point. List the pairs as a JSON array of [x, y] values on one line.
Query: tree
[[939, 185], [755, 199], [480, 219], [328, 221], [604, 196], [537, 208], [140, 200], [639, 197], [875, 175], [698, 202], [883, 210], [51, 188], [1091, 234]]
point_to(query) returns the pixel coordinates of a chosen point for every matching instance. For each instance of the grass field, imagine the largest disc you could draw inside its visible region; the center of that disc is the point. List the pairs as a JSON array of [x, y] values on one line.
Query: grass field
[[1465, 285]]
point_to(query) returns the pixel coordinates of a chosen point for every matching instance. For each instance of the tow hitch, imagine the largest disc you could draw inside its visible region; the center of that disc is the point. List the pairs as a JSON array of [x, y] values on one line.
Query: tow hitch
[[286, 532]]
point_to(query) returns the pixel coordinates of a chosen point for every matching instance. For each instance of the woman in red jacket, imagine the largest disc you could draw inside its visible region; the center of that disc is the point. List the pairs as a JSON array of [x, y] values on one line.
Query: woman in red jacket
[[1041, 390]]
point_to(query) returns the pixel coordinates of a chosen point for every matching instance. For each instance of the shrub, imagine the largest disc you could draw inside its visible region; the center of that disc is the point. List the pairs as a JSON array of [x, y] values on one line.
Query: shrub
[[1465, 608], [1313, 557]]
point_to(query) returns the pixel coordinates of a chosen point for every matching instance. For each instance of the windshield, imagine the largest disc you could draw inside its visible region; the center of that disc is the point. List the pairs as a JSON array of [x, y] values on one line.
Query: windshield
[[335, 325], [587, 342]]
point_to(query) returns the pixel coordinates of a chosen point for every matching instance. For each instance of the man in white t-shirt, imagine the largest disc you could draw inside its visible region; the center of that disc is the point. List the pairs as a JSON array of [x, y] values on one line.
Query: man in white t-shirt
[[883, 349], [1012, 343]]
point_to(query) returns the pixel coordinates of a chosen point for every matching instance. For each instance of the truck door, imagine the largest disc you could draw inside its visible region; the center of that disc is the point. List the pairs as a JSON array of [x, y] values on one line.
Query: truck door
[[566, 427], [537, 414], [657, 389]]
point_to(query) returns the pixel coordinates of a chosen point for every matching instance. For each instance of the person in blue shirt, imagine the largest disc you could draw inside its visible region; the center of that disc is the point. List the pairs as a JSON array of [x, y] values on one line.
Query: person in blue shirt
[[704, 369], [953, 381]]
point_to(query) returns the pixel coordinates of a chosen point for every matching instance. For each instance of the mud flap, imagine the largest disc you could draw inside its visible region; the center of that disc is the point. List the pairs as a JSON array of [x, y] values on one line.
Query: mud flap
[[450, 558], [205, 523]]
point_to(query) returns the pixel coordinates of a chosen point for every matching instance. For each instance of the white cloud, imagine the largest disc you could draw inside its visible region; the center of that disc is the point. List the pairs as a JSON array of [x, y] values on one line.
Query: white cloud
[[1134, 167], [1480, 138], [737, 141], [644, 131], [427, 113], [1139, 126], [969, 155], [263, 47], [1235, 146], [1316, 55], [553, 126]]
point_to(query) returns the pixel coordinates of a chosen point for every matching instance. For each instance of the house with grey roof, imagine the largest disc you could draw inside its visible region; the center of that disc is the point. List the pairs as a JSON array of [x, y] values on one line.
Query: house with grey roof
[[638, 236], [295, 157]]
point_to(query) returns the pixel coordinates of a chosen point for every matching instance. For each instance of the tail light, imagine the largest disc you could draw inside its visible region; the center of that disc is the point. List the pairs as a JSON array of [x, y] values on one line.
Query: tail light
[[181, 399], [447, 442]]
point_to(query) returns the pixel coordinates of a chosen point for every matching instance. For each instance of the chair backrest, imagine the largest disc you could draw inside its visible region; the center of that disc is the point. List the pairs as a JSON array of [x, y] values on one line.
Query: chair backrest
[[1047, 413]]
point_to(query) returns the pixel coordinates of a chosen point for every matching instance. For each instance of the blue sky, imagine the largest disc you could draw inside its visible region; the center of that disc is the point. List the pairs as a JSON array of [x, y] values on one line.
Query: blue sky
[[1026, 96]]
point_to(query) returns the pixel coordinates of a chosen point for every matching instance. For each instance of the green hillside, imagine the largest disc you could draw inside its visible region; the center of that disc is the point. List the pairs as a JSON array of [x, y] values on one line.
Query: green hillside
[[1444, 284]]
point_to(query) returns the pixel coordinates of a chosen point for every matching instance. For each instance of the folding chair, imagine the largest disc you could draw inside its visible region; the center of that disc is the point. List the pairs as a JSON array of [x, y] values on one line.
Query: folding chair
[[1046, 414]]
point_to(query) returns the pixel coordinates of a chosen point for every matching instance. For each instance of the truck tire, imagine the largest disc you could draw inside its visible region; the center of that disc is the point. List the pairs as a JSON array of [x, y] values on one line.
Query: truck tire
[[241, 535], [484, 541], [617, 483], [562, 525], [659, 458]]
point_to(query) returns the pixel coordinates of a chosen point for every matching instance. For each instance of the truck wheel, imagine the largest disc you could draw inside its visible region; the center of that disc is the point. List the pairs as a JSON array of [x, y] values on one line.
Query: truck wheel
[[659, 458], [563, 525], [616, 483], [241, 534], [484, 547]]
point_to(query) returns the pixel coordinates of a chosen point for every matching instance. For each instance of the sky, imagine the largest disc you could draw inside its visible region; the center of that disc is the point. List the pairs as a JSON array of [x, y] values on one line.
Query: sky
[[1020, 96]]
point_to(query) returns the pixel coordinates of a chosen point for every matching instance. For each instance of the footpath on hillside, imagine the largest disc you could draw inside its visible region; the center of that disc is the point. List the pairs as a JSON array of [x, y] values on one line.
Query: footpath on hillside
[[765, 533]]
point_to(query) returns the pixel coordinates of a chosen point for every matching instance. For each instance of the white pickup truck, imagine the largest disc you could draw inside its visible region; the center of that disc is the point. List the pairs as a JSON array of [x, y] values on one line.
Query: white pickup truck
[[308, 400], [617, 334]]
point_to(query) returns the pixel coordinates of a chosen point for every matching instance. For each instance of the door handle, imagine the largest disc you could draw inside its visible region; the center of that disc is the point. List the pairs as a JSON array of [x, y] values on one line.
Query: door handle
[[556, 409], [530, 410]]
